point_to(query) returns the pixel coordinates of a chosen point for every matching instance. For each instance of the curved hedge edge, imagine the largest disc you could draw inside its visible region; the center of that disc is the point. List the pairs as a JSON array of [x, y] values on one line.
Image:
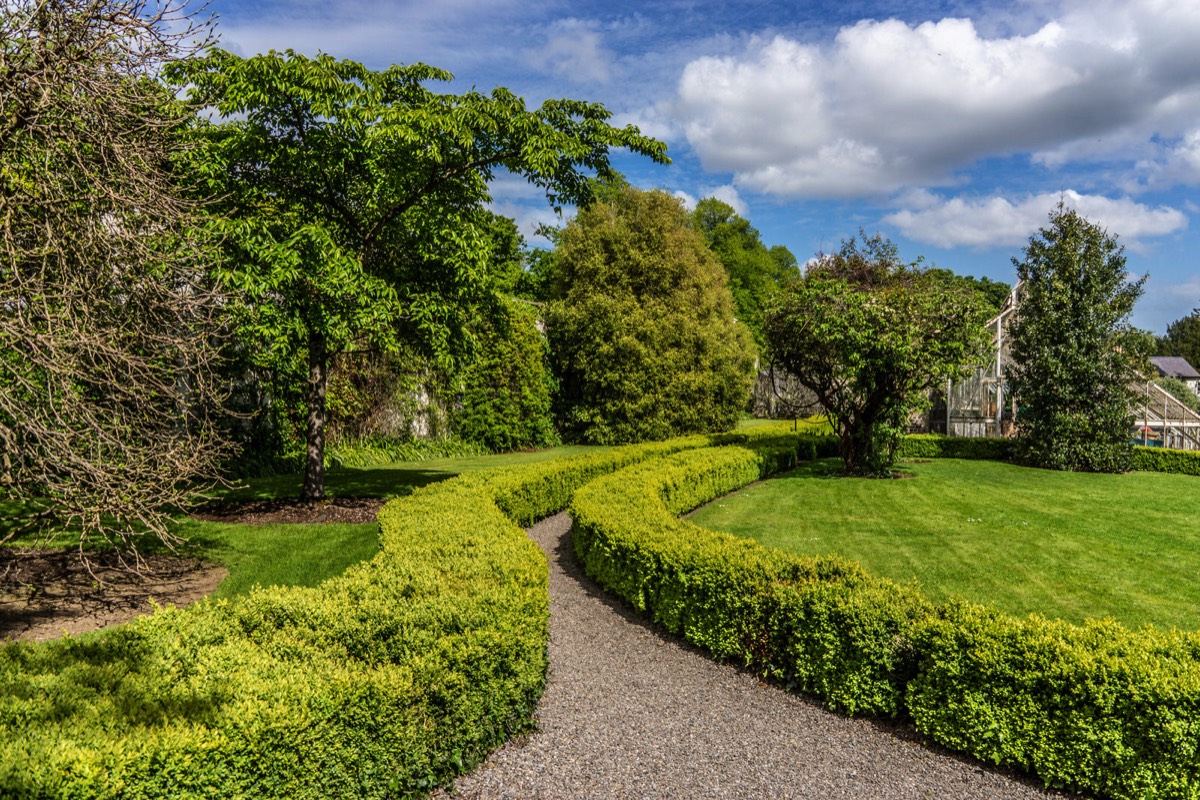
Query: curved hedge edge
[[383, 682], [1096, 707], [820, 625]]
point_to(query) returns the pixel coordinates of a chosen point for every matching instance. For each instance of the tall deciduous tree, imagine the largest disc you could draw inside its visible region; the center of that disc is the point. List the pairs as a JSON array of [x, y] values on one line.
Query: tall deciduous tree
[[356, 199], [870, 335], [106, 324], [755, 271], [1075, 354], [642, 333], [507, 387], [1182, 339]]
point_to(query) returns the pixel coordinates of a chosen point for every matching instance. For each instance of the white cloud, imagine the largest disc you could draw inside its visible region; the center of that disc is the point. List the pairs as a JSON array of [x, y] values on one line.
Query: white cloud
[[887, 105], [689, 201], [728, 194], [997, 221], [574, 49]]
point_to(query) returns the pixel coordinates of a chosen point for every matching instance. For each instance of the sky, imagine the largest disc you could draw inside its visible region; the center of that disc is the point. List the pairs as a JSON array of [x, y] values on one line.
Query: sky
[[953, 128]]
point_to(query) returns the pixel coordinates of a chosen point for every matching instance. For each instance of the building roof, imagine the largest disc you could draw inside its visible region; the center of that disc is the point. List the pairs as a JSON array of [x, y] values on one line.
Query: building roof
[[1174, 367]]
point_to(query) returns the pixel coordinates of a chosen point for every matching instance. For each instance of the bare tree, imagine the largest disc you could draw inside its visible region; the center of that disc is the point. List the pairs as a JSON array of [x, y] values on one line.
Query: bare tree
[[107, 345]]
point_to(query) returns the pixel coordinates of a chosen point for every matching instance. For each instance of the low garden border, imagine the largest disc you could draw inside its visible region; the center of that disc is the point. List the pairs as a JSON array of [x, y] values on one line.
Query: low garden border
[[390, 679], [1096, 707]]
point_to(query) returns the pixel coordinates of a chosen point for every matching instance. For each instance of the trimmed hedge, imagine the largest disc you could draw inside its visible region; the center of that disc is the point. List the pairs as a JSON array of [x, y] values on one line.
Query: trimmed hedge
[[932, 445], [821, 625], [1160, 459], [1146, 459], [386, 681], [1099, 708]]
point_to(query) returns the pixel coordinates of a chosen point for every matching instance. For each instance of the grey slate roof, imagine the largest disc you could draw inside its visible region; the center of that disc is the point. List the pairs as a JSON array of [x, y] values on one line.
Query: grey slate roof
[[1174, 367]]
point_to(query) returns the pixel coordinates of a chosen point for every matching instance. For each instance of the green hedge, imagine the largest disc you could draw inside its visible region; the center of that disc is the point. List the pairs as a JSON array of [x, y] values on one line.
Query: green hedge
[[392, 678], [1160, 459], [821, 625], [932, 445], [1147, 459], [1098, 708]]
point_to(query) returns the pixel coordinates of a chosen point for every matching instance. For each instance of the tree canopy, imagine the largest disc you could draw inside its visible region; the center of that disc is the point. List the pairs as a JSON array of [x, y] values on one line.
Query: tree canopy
[[506, 388], [870, 334], [354, 200], [1182, 339], [1075, 354], [107, 323], [755, 271], [642, 332], [994, 293]]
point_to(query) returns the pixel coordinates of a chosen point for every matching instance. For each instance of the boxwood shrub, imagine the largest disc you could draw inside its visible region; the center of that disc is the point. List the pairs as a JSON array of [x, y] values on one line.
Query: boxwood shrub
[[1159, 459], [820, 625], [1147, 459], [390, 679], [932, 445], [1098, 708]]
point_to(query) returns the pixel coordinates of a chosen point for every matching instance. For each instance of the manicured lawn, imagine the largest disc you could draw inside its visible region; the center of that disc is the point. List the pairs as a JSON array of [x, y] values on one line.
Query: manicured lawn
[[306, 554], [1064, 545], [394, 480], [283, 554]]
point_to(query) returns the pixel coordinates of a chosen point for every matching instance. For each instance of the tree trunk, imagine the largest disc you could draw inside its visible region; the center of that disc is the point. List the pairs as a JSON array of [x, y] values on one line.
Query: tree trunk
[[318, 379], [856, 440]]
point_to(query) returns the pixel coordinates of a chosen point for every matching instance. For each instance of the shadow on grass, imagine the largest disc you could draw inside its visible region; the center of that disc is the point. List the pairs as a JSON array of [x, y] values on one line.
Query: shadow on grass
[[374, 482]]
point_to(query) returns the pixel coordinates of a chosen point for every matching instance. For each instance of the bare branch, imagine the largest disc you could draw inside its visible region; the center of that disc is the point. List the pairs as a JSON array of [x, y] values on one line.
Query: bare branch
[[108, 396]]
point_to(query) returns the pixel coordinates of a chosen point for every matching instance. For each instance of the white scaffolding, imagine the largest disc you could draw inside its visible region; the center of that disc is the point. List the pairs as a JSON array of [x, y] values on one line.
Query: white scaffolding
[[975, 406], [979, 406]]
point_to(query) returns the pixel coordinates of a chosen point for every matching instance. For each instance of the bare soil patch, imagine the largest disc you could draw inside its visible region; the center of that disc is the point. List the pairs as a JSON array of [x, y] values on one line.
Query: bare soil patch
[[264, 512], [45, 594]]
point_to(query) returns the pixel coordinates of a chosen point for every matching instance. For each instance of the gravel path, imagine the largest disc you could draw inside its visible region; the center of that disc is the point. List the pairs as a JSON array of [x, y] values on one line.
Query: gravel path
[[631, 712]]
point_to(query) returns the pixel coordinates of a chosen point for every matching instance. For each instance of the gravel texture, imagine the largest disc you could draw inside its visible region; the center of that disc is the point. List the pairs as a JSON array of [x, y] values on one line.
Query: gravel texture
[[632, 712]]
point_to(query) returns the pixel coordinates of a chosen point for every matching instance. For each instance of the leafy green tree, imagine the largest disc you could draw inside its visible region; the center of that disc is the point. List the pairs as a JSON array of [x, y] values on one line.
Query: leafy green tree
[[870, 335], [1180, 391], [354, 201], [108, 393], [994, 293], [643, 339], [507, 386], [1075, 354], [1182, 339], [755, 272]]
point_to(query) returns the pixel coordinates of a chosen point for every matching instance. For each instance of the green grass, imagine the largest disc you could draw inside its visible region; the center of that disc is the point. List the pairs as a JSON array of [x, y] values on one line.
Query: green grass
[[286, 554], [1067, 545], [393, 480], [304, 554]]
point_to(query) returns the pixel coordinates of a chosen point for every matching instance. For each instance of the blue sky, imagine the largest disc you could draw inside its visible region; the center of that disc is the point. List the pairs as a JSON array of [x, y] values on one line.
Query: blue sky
[[951, 127]]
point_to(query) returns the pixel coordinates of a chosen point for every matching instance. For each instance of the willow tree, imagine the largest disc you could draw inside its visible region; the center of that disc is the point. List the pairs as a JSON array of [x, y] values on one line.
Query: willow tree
[[870, 335], [355, 198], [106, 322]]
